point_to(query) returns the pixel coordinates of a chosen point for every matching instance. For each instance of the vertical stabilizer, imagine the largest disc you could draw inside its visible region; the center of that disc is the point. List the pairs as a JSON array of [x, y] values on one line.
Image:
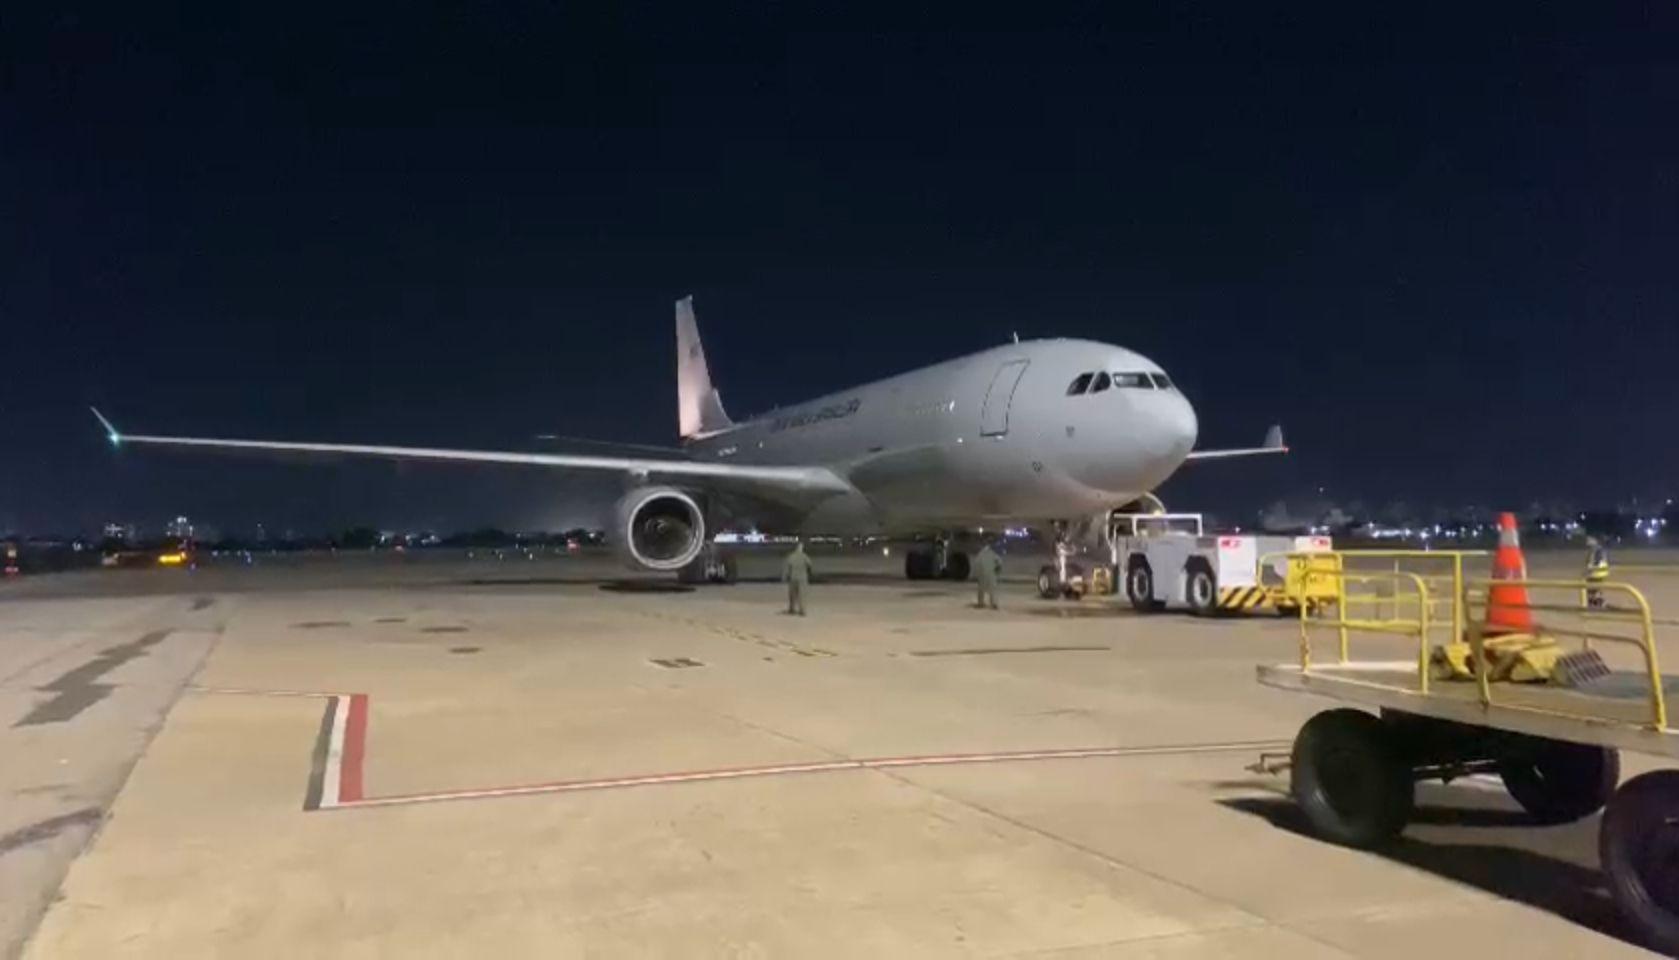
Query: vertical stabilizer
[[699, 410]]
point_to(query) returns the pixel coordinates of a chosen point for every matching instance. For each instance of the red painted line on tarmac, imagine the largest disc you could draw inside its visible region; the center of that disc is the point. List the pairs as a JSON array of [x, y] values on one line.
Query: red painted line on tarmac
[[355, 750]]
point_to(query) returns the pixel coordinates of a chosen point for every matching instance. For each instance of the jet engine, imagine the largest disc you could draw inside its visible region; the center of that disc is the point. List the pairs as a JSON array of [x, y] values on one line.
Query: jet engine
[[659, 528]]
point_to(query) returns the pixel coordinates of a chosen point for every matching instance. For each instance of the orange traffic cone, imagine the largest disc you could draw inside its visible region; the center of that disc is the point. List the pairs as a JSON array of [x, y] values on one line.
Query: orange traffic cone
[[1507, 604]]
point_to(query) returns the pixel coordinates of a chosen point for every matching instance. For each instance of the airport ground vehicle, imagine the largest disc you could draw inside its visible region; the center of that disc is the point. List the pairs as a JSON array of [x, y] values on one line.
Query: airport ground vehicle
[[1554, 743], [1167, 560]]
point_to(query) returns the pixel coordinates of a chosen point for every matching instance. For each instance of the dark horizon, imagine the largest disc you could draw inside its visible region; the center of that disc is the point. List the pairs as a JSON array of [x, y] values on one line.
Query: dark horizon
[[1439, 251]]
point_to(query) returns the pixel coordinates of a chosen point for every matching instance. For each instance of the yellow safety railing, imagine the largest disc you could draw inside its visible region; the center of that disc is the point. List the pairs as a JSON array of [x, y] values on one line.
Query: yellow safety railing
[[1637, 616], [1441, 570], [1344, 622]]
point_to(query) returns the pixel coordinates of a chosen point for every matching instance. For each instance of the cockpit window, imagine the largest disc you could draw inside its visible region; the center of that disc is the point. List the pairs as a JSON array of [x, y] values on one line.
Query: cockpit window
[[1079, 384], [1102, 383], [1161, 381], [1135, 381]]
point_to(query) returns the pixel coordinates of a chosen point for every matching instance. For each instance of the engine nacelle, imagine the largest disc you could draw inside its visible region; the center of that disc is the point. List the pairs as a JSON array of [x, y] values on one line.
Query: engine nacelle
[[659, 528]]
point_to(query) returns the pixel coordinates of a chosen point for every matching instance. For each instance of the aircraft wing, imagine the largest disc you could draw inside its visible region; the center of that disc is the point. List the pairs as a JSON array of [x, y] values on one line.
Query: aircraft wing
[[790, 482], [1273, 444]]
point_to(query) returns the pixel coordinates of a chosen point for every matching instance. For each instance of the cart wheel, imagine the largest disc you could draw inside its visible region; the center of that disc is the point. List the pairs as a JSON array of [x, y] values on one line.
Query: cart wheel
[[1557, 781], [1349, 780], [1639, 847]]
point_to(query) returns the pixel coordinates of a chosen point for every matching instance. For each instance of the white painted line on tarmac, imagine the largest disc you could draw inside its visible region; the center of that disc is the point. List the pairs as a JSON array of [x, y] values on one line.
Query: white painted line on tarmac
[[333, 771], [786, 769]]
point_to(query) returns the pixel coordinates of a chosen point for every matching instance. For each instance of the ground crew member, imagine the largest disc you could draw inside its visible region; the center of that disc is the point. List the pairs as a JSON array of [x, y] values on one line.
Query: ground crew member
[[1597, 572], [796, 571], [988, 568]]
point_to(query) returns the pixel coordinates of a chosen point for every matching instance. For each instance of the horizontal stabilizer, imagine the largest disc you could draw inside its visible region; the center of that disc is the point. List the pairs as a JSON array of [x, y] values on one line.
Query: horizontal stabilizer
[[1273, 444]]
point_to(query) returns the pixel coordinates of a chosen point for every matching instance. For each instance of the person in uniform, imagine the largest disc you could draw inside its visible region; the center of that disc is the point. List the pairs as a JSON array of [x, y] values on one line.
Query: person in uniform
[[1597, 572], [796, 571], [988, 569]]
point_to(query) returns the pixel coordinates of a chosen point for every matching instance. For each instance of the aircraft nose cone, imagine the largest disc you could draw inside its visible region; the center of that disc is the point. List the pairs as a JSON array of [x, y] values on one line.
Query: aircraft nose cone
[[1182, 427]]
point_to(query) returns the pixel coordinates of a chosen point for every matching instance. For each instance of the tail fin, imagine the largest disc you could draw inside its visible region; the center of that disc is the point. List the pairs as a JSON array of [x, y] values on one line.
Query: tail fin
[[699, 409]]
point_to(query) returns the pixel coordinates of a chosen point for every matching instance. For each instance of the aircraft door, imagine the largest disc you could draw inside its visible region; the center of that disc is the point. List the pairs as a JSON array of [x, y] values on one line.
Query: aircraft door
[[994, 415]]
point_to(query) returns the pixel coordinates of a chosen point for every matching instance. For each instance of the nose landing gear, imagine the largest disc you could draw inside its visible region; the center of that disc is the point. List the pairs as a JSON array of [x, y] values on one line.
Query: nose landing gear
[[1064, 577]]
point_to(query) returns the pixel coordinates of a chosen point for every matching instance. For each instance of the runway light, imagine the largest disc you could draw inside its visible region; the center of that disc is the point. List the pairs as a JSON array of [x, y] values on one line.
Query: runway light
[[886, 551]]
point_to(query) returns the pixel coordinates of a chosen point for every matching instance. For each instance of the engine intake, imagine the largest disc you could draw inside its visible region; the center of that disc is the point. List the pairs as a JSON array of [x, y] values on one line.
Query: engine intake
[[660, 529]]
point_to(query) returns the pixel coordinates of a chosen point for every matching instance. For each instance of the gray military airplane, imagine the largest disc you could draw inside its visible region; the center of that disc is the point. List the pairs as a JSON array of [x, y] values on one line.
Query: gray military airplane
[[1048, 434]]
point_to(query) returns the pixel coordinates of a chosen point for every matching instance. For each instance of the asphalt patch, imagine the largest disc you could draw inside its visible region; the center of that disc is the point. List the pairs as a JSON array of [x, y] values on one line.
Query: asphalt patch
[[983, 651], [77, 689], [1076, 612], [319, 624], [465, 649], [677, 663], [645, 586], [442, 629], [48, 828]]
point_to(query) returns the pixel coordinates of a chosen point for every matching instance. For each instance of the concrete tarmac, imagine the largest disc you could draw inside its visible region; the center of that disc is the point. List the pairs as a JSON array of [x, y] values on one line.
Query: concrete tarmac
[[429, 756]]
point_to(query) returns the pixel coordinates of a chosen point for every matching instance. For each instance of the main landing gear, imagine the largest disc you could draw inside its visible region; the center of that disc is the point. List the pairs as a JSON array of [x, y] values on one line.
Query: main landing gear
[[940, 561], [711, 566]]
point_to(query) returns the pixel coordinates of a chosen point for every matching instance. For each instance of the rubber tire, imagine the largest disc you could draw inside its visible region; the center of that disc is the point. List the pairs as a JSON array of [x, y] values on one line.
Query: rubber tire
[[1139, 587], [692, 572], [1197, 572], [918, 565], [1559, 782], [956, 566], [1349, 779], [731, 569], [1075, 572], [1636, 840], [1049, 585]]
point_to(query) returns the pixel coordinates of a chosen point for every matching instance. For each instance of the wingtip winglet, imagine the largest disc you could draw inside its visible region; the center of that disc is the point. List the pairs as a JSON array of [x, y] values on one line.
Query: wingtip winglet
[[110, 428]]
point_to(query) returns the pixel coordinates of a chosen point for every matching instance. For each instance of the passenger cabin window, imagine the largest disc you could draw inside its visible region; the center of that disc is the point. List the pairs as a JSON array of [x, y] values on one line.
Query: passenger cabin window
[[1133, 381], [1161, 381], [1079, 384], [1102, 383]]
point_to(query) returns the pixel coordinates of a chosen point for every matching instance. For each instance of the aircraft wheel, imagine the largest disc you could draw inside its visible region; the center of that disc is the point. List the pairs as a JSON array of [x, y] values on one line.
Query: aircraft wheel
[[1076, 585], [956, 565], [1049, 582], [1200, 587], [1638, 844], [1139, 587], [1559, 782], [1349, 779], [692, 572], [731, 569]]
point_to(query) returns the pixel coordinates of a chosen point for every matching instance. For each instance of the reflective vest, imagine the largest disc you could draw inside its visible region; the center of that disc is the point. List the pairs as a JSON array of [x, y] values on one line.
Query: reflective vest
[[1597, 565]]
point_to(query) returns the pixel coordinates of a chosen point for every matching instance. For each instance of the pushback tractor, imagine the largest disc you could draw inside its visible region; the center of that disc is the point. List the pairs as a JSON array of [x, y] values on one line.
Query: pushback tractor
[[1163, 561]]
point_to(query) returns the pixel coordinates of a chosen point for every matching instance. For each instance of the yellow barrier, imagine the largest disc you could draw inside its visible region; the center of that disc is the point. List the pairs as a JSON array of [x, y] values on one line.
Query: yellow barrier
[[1345, 624], [1445, 588], [1638, 615]]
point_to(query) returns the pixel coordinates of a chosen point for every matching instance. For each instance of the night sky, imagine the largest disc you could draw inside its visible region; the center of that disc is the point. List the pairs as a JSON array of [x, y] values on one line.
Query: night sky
[[1443, 251]]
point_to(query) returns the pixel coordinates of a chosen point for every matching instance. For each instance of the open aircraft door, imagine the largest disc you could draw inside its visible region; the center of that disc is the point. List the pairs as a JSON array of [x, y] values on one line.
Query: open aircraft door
[[994, 416]]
